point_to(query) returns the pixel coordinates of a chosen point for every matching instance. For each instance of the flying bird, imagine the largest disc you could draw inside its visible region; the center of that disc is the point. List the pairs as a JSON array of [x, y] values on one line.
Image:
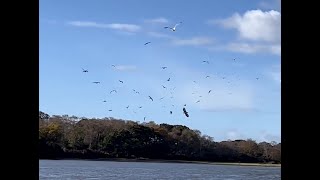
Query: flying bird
[[209, 91], [113, 65], [170, 112], [207, 76], [257, 78], [168, 79], [84, 70], [174, 28], [161, 98], [185, 105], [206, 62], [147, 43], [140, 107], [96, 82], [104, 101], [198, 101], [144, 118], [163, 86], [150, 98], [110, 109], [164, 67], [120, 81], [127, 107], [185, 112], [113, 91]]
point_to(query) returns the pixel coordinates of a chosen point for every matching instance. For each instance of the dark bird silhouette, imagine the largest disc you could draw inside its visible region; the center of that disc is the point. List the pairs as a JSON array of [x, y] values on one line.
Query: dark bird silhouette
[[104, 101], [110, 109], [164, 67], [173, 28], [223, 77], [96, 82], [140, 107], [168, 79], [113, 91], [84, 70], [185, 105], [234, 59], [147, 43], [161, 98], [195, 81], [206, 62], [198, 101], [120, 81], [150, 98], [209, 91], [207, 76], [185, 112], [170, 112], [144, 118], [127, 107], [163, 86], [257, 78], [113, 65]]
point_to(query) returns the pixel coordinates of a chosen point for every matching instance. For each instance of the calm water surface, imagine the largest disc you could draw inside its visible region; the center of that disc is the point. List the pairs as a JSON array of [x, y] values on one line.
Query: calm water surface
[[77, 169]]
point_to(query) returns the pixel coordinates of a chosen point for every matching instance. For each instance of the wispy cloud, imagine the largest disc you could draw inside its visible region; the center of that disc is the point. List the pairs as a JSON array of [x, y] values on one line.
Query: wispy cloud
[[125, 67], [195, 41], [275, 73], [116, 26], [160, 20], [159, 35], [234, 134], [250, 48], [269, 137]]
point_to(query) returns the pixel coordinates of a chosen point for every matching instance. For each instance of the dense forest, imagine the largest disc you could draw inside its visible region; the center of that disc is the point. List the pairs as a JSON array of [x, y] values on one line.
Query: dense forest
[[82, 138]]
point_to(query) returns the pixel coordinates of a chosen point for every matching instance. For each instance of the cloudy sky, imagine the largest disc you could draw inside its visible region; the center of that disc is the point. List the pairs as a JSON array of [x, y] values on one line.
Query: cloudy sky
[[241, 41]]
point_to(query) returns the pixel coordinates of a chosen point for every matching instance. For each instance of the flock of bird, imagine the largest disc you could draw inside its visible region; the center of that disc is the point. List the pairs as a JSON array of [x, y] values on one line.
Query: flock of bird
[[184, 111]]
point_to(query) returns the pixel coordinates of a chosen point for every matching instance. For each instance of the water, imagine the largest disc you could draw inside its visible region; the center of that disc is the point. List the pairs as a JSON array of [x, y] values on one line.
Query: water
[[109, 170]]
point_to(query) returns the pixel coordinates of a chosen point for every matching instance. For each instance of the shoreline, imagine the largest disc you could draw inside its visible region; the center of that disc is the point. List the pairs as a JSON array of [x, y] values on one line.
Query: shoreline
[[173, 161]]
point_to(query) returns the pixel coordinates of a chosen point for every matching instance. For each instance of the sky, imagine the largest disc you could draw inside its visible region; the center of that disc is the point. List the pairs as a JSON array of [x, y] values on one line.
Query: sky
[[232, 48]]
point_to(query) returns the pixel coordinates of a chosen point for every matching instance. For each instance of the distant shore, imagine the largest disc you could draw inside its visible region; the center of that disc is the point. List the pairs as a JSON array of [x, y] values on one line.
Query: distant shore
[[175, 161]]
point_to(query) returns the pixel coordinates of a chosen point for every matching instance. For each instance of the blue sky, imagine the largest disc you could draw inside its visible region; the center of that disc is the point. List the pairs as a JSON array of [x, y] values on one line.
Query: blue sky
[[97, 34]]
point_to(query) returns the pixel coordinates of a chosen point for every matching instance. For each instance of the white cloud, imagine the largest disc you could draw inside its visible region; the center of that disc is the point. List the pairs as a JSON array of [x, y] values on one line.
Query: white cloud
[[268, 137], [160, 20], [275, 73], [195, 41], [250, 48], [256, 25], [122, 27], [125, 67], [234, 134]]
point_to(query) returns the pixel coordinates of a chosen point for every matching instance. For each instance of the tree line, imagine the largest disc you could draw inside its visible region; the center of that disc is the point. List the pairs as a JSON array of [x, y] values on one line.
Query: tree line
[[73, 137]]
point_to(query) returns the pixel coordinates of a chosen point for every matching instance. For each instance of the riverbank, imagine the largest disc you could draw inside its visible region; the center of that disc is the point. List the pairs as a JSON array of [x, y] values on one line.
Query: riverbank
[[177, 161]]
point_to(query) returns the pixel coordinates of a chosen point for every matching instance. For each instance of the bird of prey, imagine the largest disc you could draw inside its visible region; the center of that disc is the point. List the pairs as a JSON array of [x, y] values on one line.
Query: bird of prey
[[150, 98], [84, 70], [164, 67], [168, 79], [185, 112], [113, 91], [173, 28], [198, 101], [206, 62], [209, 91], [120, 81], [147, 43], [96, 82]]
